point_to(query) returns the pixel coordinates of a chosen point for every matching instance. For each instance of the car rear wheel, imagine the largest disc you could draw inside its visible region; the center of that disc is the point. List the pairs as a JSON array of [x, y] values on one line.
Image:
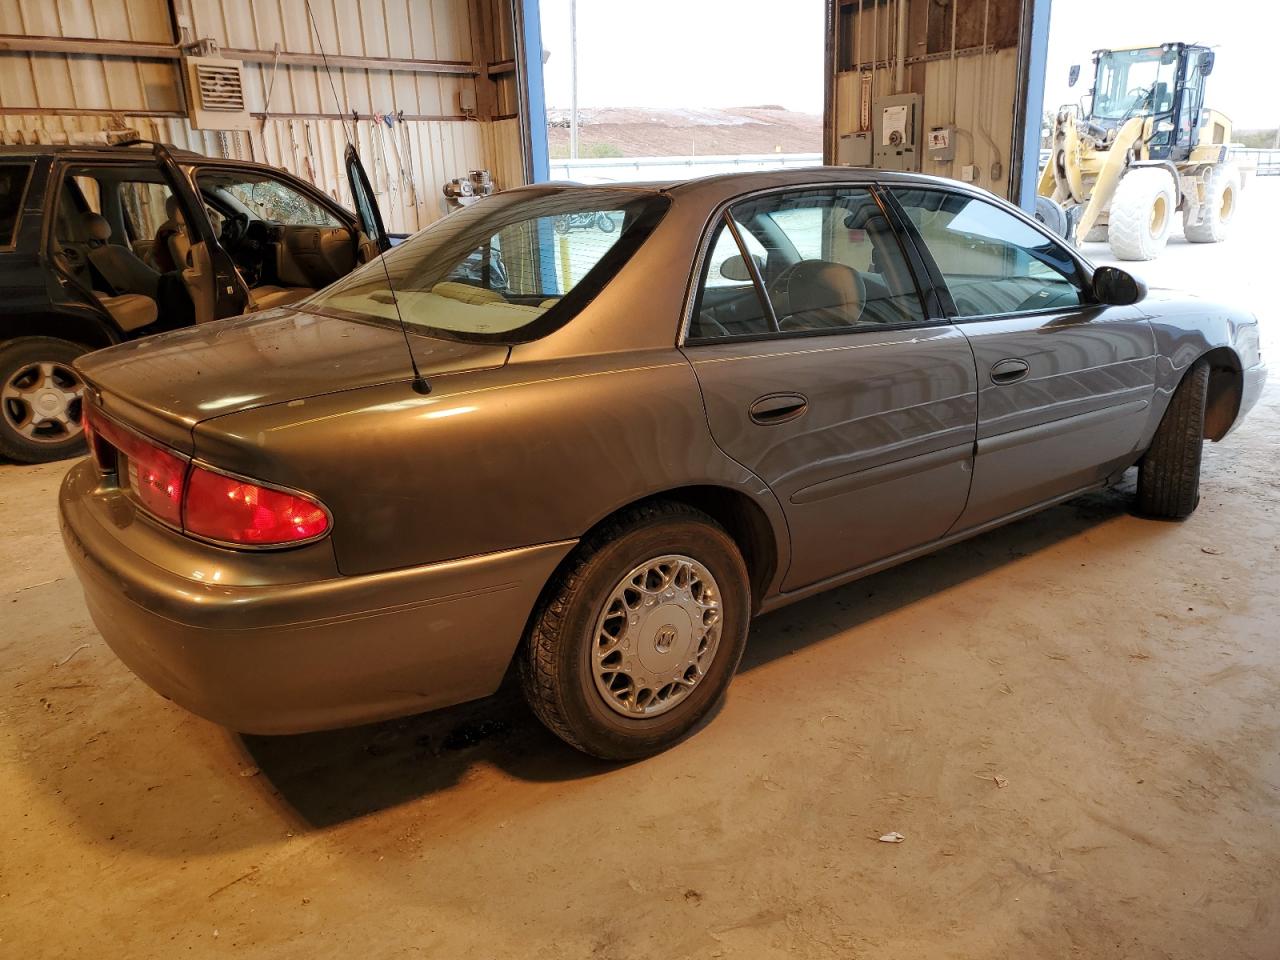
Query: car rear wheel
[[40, 398], [1169, 474], [639, 638]]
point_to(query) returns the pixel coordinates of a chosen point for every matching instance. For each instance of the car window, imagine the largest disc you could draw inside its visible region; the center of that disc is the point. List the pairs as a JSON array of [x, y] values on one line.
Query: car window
[[993, 262], [723, 249], [145, 207], [267, 198], [13, 185], [829, 260], [505, 269]]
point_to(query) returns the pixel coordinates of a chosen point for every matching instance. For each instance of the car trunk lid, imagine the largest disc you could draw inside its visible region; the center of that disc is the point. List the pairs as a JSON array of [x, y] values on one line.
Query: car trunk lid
[[166, 384]]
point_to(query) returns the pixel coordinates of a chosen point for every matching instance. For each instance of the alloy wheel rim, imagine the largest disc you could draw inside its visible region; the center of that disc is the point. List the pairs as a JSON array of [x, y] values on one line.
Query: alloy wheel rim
[[1159, 216], [42, 402], [656, 636]]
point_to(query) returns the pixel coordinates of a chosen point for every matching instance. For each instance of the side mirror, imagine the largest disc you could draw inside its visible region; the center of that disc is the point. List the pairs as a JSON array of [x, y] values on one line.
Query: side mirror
[[1206, 63], [1114, 286], [735, 268], [1073, 75]]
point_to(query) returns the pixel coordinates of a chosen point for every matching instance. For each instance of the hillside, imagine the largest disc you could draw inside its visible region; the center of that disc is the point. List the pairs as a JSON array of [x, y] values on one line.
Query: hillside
[[640, 132]]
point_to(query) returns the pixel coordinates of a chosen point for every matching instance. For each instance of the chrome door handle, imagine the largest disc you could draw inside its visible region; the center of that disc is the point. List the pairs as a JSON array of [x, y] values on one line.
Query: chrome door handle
[[778, 408], [1009, 371]]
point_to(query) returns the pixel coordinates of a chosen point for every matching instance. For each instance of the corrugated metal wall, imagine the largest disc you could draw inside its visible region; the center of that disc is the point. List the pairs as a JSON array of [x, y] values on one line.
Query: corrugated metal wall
[[459, 48], [962, 59]]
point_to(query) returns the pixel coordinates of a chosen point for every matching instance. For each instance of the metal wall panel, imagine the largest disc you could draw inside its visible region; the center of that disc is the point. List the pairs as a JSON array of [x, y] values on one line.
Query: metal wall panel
[[300, 125], [972, 89]]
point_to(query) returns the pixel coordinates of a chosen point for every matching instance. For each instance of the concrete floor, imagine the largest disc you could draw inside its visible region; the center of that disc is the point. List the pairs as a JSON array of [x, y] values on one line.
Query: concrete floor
[[1074, 722]]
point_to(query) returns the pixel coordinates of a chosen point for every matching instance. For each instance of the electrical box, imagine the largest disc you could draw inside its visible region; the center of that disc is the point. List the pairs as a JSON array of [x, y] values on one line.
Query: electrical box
[[969, 173], [941, 144], [855, 150], [896, 123]]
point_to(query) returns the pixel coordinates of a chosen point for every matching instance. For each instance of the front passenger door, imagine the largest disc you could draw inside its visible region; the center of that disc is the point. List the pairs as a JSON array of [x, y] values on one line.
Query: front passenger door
[[1064, 384]]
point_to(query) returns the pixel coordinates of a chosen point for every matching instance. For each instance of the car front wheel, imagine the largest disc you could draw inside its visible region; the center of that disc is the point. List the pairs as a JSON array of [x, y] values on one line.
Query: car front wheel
[[639, 638], [40, 399], [1169, 473]]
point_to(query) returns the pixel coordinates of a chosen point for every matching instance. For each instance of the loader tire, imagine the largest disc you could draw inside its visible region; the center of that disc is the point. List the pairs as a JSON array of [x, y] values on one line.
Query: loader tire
[[1142, 214], [1221, 192], [1050, 213]]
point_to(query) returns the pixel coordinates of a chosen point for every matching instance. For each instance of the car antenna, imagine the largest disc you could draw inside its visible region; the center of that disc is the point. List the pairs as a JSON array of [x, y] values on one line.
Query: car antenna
[[420, 384]]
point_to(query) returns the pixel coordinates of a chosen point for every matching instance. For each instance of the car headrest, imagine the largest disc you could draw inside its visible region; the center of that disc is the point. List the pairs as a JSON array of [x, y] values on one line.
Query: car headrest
[[95, 227]]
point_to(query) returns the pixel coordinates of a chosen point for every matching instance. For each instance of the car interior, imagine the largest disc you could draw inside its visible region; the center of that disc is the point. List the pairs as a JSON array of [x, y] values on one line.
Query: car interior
[[121, 233], [91, 245], [285, 244], [827, 263]]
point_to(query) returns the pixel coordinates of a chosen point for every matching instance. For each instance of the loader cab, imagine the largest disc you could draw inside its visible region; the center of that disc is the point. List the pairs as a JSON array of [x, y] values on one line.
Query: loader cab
[[1164, 84]]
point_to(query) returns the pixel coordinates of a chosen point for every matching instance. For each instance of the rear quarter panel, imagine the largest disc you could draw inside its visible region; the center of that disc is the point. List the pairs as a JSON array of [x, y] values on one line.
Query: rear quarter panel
[[526, 454]]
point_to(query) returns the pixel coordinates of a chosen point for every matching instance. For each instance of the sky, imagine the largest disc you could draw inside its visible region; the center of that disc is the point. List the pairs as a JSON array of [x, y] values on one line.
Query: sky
[[1241, 33], [687, 53], [732, 53]]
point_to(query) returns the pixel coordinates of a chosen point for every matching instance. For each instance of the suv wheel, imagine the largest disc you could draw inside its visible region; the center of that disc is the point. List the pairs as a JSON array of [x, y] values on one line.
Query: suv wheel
[[40, 399], [639, 639]]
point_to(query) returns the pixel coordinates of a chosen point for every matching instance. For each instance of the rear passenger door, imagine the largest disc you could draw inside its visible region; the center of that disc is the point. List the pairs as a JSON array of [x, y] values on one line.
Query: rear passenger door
[[824, 373], [1063, 383]]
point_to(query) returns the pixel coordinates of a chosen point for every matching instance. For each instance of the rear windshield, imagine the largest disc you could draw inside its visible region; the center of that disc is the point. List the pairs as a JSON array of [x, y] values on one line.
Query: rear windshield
[[506, 269], [13, 184]]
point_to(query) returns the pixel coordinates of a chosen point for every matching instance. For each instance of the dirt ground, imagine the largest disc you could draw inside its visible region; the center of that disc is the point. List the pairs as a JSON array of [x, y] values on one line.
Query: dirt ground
[[1074, 721]]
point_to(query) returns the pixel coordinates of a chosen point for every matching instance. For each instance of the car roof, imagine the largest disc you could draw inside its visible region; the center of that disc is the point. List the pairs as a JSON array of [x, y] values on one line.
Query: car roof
[[97, 150], [717, 188]]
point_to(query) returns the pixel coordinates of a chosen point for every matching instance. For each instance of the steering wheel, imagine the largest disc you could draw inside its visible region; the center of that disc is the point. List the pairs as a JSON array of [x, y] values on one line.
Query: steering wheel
[[235, 226], [1137, 96]]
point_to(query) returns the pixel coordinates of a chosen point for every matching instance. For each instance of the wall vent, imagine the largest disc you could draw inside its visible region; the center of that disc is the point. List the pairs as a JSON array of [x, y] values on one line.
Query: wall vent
[[215, 94]]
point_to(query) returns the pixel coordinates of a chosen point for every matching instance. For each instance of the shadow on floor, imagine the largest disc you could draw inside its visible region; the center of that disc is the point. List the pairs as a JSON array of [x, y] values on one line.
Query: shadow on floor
[[328, 778]]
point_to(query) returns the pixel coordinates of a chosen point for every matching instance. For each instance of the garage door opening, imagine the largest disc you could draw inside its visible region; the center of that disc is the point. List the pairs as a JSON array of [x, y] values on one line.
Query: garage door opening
[[685, 90]]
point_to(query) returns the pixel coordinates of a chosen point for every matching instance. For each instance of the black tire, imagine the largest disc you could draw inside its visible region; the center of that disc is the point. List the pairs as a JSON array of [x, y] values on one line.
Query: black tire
[[47, 441], [555, 661], [1050, 213], [1169, 474]]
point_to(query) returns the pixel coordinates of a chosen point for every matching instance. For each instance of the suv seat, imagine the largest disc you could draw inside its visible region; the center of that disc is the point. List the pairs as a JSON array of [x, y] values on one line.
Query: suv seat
[[123, 270], [268, 296]]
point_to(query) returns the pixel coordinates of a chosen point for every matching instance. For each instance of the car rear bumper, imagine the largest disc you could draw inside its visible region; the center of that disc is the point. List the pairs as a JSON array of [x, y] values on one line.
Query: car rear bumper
[[264, 657]]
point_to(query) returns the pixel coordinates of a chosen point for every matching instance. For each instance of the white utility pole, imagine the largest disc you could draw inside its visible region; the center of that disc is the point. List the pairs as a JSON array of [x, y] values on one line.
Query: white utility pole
[[573, 79]]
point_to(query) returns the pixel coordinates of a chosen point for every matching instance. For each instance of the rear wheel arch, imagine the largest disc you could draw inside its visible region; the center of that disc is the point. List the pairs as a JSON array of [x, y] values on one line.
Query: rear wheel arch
[[743, 519], [87, 331]]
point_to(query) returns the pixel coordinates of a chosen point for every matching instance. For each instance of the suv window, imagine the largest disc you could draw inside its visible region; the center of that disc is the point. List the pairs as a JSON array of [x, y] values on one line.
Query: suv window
[[829, 260], [994, 263], [267, 198], [13, 185]]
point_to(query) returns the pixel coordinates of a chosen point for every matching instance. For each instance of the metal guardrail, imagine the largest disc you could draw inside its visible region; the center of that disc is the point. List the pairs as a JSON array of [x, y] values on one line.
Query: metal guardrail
[[624, 169], [1263, 162]]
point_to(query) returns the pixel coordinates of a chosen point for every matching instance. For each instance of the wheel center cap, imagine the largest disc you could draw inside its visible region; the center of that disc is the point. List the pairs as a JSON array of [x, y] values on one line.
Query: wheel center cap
[[50, 402], [666, 640]]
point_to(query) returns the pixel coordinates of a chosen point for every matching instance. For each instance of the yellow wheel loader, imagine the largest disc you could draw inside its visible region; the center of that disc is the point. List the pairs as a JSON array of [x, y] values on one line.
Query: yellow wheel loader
[[1146, 150]]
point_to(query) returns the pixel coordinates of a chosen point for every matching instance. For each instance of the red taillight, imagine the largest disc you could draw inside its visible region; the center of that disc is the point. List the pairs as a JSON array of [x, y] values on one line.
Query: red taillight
[[198, 500], [232, 510], [155, 475]]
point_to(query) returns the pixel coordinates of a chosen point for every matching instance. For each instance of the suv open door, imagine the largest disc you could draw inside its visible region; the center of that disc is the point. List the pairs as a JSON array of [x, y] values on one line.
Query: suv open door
[[366, 206], [211, 277]]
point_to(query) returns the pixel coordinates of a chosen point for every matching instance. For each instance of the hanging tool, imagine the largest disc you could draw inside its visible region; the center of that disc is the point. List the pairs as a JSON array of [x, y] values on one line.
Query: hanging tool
[[407, 152]]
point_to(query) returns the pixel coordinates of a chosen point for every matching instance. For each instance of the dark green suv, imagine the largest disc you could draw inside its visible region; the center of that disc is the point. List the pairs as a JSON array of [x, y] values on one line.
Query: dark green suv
[[100, 244]]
